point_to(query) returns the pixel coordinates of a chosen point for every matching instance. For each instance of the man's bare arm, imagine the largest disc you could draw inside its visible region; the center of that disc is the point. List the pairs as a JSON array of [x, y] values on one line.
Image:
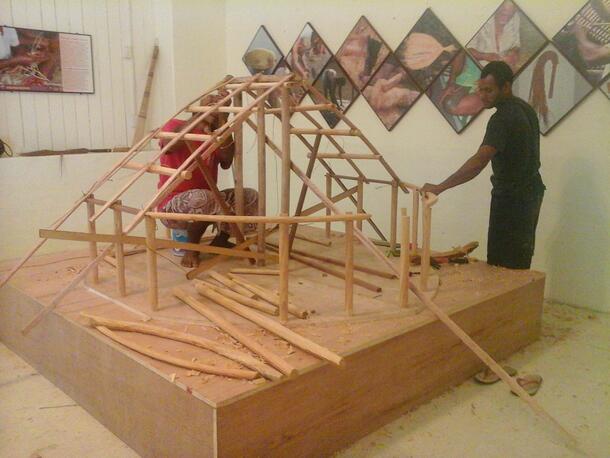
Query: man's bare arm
[[470, 169]]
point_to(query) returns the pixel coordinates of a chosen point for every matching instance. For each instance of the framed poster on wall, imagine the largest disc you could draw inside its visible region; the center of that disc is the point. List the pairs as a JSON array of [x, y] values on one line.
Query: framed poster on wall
[[45, 61]]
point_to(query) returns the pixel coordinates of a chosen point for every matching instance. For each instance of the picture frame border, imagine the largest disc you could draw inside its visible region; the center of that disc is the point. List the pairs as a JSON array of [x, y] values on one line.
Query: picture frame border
[[282, 56]]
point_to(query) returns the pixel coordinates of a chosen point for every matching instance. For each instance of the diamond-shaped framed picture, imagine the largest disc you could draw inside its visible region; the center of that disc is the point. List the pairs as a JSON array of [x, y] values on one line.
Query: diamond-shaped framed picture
[[453, 92], [309, 54], [605, 88], [508, 35], [296, 92], [391, 92], [427, 49], [362, 52], [263, 55], [585, 41], [335, 86], [552, 86]]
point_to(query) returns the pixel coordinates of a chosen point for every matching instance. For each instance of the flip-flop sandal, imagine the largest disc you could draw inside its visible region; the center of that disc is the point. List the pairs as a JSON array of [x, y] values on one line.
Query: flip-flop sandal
[[487, 376], [530, 383]]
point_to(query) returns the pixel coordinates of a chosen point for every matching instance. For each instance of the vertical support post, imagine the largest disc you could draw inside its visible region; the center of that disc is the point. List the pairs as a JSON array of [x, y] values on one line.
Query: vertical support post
[[360, 201], [168, 233], [415, 220], [94, 276], [284, 249], [425, 255], [118, 248], [238, 164], [393, 215], [329, 192], [286, 161], [262, 177], [405, 258], [151, 263], [349, 267]]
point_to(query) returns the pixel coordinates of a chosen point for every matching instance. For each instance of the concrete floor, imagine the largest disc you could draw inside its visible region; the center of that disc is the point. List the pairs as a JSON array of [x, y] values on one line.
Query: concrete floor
[[573, 356]]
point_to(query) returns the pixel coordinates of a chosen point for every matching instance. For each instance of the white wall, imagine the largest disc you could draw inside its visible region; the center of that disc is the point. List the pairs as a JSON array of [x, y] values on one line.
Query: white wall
[[123, 33], [573, 245], [573, 239]]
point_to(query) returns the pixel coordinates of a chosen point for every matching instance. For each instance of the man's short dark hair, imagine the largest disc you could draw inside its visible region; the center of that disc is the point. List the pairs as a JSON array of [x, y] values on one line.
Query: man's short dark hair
[[501, 72]]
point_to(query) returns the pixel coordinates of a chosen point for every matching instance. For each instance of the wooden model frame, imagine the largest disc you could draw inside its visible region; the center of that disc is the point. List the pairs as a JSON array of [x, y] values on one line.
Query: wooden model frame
[[258, 88]]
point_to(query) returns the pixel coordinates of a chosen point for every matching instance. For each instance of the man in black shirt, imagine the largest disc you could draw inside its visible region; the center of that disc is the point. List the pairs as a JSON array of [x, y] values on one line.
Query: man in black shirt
[[512, 144]]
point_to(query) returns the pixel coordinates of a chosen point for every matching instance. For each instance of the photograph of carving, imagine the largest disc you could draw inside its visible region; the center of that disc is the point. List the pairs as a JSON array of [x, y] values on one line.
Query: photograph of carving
[[263, 55], [391, 92], [454, 92], [427, 49], [552, 86], [362, 52], [309, 54], [334, 84], [508, 35], [297, 93], [29, 60], [585, 41]]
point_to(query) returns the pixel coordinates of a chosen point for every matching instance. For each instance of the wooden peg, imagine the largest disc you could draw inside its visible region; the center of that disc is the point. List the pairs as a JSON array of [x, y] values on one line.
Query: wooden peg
[[151, 263], [349, 267], [119, 252], [393, 216], [94, 275]]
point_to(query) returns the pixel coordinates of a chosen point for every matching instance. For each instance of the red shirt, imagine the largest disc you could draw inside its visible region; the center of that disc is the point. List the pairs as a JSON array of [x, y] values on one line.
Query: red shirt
[[179, 153]]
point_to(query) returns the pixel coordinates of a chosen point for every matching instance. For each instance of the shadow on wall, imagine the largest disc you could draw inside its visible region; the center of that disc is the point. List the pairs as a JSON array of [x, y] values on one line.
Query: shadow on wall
[[578, 264]]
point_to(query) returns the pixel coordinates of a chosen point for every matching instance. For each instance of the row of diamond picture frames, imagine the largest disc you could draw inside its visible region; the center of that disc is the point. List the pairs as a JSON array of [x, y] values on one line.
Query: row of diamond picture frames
[[554, 77]]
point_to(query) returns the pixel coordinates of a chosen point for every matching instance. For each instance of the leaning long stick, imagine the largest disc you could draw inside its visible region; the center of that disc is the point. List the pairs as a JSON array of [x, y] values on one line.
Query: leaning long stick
[[201, 342]]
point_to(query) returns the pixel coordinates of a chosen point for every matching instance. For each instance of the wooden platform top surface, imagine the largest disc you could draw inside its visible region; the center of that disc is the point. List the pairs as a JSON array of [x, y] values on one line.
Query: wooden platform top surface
[[377, 316]]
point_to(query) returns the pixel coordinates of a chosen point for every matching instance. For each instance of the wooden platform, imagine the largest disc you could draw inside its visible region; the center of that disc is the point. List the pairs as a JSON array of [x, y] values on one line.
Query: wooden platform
[[395, 358]]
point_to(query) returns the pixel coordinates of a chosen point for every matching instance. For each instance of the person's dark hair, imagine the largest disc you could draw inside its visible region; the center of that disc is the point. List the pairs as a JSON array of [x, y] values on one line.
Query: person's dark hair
[[501, 72]]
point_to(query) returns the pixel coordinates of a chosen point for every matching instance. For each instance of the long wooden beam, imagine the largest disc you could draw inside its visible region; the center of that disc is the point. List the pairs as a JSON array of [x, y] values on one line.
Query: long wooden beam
[[180, 362], [192, 339], [274, 327], [228, 327], [258, 219]]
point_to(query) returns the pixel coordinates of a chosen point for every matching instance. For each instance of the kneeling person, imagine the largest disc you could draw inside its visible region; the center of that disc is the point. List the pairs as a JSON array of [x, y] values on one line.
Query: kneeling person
[[194, 196]]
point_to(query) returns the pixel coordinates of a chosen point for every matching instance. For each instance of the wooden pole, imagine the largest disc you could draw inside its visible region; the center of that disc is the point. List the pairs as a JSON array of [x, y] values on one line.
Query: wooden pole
[[286, 161], [118, 249], [238, 163], [338, 262], [360, 200], [226, 281], [244, 300], [274, 327], [284, 258], [415, 221], [192, 339], [404, 259], [349, 267], [228, 327], [151, 263], [188, 364], [247, 271], [270, 296], [329, 194], [425, 256], [262, 176], [393, 216], [143, 113], [94, 276]]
